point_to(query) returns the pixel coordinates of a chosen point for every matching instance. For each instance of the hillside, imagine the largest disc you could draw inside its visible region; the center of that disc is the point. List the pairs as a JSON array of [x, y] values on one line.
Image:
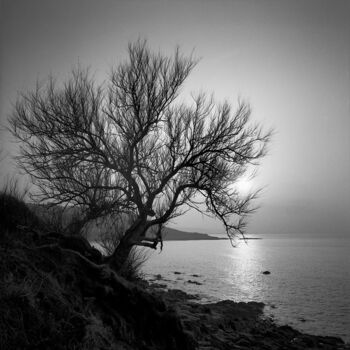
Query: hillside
[[171, 234]]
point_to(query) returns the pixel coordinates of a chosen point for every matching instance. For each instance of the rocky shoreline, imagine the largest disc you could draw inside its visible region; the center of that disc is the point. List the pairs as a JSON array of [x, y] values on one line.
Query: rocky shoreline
[[56, 293], [230, 325]]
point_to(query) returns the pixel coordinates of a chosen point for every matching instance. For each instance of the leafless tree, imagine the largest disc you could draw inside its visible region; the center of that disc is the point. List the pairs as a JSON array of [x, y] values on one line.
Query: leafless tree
[[130, 147]]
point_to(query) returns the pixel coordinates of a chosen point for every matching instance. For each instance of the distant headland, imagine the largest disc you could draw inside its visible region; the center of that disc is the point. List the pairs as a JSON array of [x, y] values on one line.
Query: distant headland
[[171, 234]]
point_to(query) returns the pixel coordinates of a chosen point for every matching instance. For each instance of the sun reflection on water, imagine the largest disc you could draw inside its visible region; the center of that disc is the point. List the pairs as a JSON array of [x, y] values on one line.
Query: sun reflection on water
[[244, 271]]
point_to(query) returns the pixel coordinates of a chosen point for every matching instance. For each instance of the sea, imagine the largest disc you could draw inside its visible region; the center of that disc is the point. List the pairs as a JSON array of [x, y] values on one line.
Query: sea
[[308, 286]]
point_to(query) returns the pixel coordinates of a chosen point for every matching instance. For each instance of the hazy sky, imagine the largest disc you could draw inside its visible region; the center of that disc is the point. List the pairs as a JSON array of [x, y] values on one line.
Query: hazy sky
[[289, 59]]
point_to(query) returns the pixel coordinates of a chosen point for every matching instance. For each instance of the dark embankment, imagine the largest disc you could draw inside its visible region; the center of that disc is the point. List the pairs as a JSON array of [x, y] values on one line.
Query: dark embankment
[[56, 293]]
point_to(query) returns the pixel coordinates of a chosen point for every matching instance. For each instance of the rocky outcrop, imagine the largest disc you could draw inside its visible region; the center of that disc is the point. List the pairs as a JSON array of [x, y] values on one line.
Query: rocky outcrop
[[228, 325]]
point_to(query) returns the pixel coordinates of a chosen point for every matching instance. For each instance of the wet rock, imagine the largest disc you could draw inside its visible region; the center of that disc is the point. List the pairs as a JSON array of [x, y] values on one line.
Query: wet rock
[[195, 282], [179, 295], [308, 341], [331, 340]]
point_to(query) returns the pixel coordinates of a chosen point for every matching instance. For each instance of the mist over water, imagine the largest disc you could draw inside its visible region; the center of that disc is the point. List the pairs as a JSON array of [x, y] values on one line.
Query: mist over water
[[308, 288]]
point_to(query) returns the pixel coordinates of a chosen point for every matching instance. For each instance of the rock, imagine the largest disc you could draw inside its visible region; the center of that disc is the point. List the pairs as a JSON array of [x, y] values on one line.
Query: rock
[[177, 273], [331, 340], [195, 275], [228, 325], [266, 272], [159, 285], [179, 295], [158, 277], [308, 341], [194, 282]]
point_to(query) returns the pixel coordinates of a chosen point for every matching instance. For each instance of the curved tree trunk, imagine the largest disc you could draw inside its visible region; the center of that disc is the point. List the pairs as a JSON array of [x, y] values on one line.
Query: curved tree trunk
[[120, 255], [132, 236]]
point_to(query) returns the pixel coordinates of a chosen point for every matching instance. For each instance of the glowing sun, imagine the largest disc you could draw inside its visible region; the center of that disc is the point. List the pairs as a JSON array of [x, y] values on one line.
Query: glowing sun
[[244, 185]]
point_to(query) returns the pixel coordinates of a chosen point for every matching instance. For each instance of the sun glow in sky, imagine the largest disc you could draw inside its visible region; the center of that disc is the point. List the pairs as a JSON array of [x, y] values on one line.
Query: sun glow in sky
[[244, 185]]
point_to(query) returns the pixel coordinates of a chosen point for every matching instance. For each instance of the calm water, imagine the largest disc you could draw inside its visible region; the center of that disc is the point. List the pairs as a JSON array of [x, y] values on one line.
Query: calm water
[[309, 284]]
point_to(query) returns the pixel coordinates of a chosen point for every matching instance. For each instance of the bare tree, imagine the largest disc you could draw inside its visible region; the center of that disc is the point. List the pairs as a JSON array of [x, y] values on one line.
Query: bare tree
[[130, 147]]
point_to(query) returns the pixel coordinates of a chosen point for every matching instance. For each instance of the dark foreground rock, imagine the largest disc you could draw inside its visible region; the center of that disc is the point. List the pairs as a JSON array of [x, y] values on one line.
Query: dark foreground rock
[[56, 293], [230, 325]]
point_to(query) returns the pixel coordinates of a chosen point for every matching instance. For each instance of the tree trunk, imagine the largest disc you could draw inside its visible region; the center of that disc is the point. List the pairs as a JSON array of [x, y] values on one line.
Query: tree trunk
[[120, 255]]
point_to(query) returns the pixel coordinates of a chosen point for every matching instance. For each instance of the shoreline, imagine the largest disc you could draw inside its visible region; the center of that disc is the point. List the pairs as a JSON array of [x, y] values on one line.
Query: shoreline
[[58, 292], [237, 325], [161, 284], [92, 307]]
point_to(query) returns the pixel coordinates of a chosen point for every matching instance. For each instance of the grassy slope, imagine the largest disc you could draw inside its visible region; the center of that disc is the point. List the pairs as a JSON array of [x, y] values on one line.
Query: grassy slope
[[55, 294]]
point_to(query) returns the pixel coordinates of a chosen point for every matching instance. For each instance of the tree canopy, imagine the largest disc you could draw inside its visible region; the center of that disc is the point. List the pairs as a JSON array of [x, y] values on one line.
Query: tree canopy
[[131, 147]]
